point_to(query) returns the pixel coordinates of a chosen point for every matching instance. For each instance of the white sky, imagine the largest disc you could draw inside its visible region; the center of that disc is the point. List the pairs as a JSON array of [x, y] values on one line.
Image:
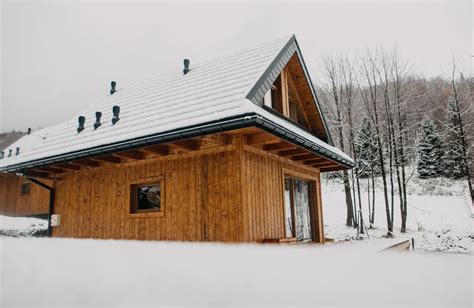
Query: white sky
[[58, 57]]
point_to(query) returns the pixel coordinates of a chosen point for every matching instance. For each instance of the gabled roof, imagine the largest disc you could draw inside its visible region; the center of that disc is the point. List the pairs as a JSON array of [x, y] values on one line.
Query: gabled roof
[[266, 80], [173, 106]]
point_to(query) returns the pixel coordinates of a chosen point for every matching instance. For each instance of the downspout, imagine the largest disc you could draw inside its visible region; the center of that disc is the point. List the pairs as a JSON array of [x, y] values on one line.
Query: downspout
[[51, 200]]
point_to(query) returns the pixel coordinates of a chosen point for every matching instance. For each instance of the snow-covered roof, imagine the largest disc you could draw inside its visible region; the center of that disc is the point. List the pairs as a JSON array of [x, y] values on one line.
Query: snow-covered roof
[[213, 90]]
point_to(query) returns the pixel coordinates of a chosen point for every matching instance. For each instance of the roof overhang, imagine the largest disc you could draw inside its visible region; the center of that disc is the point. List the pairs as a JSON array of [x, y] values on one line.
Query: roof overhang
[[213, 127]]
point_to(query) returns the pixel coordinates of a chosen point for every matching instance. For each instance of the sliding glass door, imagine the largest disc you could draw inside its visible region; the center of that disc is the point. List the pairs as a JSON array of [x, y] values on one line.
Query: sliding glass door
[[298, 209]]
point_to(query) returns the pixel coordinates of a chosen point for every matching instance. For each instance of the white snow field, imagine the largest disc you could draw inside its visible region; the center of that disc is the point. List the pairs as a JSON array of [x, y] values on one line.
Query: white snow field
[[438, 215], [42, 272]]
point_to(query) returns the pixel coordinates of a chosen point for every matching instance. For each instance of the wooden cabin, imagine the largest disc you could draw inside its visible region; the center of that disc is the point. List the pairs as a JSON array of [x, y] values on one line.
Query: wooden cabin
[[231, 149]]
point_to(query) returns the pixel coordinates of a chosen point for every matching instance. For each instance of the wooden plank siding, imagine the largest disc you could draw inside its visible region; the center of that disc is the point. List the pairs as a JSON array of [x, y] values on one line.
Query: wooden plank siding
[[8, 194], [231, 193], [14, 204], [263, 194], [95, 203]]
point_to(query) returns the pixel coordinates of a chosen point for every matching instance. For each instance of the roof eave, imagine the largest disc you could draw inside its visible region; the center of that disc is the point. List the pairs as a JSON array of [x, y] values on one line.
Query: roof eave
[[223, 125]]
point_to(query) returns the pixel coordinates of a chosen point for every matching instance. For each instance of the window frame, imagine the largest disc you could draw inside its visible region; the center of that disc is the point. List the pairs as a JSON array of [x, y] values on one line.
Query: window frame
[[296, 114], [132, 211], [28, 192], [315, 208]]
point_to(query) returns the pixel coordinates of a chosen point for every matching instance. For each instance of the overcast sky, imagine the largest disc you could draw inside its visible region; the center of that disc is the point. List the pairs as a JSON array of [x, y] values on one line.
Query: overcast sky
[[58, 57]]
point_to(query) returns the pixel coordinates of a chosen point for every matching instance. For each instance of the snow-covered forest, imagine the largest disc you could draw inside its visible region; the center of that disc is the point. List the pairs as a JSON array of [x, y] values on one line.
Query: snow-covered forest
[[400, 127]]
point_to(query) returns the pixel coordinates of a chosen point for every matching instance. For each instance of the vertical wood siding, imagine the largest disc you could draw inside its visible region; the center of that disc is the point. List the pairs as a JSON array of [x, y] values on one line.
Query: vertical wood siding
[[201, 201], [12, 203], [235, 195], [262, 193], [8, 194]]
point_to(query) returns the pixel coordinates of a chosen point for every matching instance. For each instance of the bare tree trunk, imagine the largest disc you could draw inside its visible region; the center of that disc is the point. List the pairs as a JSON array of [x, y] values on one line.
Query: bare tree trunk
[[372, 220], [368, 201], [402, 182], [401, 159], [385, 82], [347, 192], [384, 180], [356, 222], [464, 144], [361, 222], [404, 212]]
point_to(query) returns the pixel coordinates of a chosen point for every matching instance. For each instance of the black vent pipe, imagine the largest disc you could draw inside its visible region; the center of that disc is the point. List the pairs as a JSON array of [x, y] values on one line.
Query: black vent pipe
[[113, 84], [97, 123], [115, 112], [186, 66], [81, 120]]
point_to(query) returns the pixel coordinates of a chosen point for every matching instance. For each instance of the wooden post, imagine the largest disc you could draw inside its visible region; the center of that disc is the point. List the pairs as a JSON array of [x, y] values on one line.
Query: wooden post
[[284, 93], [319, 211]]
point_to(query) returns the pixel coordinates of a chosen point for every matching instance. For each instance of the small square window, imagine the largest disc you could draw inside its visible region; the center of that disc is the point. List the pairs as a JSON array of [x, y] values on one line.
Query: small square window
[[25, 189], [146, 198]]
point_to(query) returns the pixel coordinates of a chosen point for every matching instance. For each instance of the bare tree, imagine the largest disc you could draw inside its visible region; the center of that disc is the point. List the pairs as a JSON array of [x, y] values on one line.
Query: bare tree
[[337, 116], [403, 96], [460, 121], [370, 97], [348, 97]]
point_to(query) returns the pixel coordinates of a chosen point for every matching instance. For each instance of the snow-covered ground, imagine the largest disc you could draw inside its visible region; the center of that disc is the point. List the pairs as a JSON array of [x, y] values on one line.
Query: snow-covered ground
[[38, 272], [438, 217], [41, 272], [22, 226]]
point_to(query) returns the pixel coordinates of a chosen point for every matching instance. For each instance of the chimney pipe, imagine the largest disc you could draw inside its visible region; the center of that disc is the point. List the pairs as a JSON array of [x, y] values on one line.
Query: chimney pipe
[[97, 123], [17, 150], [186, 66], [10, 152], [113, 84], [29, 131], [81, 121], [116, 112], [2, 154]]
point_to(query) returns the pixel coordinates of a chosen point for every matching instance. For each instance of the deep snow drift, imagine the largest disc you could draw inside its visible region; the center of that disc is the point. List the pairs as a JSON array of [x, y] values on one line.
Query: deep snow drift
[[73, 272]]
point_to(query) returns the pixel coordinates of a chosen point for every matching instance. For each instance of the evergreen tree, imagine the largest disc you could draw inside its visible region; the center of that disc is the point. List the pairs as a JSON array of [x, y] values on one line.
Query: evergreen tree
[[430, 151], [454, 162], [366, 149]]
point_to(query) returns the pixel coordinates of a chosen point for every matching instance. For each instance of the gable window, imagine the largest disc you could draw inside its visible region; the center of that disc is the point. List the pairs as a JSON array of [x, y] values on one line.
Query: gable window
[[281, 98], [25, 189], [146, 197]]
